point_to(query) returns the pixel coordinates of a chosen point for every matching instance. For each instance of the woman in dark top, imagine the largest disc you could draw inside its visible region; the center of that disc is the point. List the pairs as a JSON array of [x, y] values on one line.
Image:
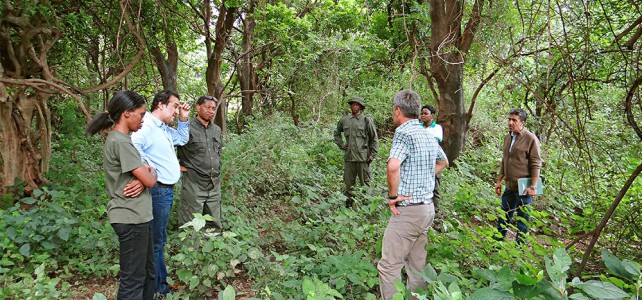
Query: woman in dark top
[[129, 209]]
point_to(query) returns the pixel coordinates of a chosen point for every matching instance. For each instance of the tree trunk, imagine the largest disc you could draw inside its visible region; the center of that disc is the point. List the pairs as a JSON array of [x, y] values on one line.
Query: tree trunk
[[215, 86], [167, 67], [448, 47], [246, 71], [452, 112], [26, 85], [25, 153]]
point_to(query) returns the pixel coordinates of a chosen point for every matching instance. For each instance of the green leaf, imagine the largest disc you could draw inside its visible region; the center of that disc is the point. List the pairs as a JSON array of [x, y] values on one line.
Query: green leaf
[[532, 291], [254, 253], [525, 279], [64, 233], [184, 275], [488, 293], [562, 259], [193, 282], [602, 290], [579, 296], [208, 247], [99, 296], [308, 286], [631, 267], [554, 271], [615, 266], [48, 245], [25, 250], [198, 223], [227, 294], [28, 200]]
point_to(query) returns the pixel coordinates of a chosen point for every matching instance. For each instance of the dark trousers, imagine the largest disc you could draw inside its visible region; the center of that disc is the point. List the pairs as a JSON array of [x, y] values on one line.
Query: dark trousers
[[512, 202], [352, 170], [136, 261]]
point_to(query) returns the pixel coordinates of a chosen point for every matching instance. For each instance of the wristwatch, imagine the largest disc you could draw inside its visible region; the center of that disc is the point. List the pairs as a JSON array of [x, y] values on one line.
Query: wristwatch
[[393, 197]]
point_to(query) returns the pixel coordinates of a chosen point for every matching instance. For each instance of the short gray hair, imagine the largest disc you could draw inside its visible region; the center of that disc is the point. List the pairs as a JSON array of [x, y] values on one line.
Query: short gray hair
[[408, 102], [519, 112]]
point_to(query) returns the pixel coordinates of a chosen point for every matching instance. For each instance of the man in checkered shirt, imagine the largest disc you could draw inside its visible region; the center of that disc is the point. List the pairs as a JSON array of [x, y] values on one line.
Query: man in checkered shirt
[[414, 159]]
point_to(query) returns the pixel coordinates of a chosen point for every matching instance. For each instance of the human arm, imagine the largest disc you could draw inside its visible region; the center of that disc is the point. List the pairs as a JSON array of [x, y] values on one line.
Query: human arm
[[136, 186], [498, 185], [442, 161], [393, 174], [146, 175], [180, 135], [534, 165], [439, 133], [183, 112], [338, 139], [373, 140]]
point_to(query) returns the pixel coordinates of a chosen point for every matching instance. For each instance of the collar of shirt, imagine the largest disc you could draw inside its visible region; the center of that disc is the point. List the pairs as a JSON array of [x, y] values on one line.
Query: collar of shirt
[[155, 120], [359, 117], [411, 122]]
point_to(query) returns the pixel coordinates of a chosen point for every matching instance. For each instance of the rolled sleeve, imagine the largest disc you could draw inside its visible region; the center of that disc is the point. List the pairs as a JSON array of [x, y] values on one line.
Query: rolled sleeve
[[180, 135]]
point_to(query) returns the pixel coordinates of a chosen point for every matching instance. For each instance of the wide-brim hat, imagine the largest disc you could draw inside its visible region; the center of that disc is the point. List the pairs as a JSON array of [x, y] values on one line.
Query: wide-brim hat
[[357, 100]]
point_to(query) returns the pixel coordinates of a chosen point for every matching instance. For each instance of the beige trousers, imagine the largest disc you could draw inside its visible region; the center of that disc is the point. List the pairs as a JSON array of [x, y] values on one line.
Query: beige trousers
[[404, 244]]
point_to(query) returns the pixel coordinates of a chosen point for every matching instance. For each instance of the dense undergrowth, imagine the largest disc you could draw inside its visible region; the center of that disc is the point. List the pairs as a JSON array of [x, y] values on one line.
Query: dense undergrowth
[[289, 236]]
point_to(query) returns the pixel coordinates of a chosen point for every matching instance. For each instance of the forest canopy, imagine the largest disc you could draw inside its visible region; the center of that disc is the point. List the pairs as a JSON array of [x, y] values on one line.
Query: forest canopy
[[284, 71]]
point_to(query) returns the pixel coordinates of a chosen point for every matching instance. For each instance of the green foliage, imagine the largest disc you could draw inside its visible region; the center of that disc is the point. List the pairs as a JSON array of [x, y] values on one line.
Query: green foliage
[[206, 260]]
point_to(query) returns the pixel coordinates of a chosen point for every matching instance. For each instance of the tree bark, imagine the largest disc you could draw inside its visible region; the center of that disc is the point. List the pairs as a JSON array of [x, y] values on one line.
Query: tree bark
[[246, 71], [448, 47], [215, 86], [26, 85], [167, 66]]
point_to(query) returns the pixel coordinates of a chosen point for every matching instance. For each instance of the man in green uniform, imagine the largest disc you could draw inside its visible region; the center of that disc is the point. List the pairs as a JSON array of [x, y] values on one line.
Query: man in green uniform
[[200, 161], [360, 146]]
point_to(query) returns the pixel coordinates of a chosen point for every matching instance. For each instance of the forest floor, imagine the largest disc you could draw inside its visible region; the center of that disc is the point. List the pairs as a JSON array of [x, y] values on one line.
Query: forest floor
[[86, 289]]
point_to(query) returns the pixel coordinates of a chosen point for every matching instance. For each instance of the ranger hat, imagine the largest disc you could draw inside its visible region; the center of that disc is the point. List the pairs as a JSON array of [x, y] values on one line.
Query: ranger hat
[[358, 100]]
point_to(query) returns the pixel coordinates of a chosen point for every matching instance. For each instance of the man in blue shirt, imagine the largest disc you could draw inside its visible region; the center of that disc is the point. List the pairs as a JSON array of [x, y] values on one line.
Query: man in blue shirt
[[155, 142], [414, 159]]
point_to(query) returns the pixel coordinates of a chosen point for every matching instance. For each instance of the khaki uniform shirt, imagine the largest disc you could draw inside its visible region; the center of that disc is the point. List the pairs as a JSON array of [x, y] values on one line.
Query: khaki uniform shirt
[[360, 135], [120, 157], [202, 153], [523, 160]]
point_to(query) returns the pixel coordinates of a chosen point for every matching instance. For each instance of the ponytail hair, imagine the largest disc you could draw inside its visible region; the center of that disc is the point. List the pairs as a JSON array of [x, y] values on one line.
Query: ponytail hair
[[121, 102]]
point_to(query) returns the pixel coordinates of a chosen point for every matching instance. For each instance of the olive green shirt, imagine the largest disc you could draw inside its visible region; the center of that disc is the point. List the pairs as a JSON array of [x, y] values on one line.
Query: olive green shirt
[[360, 135], [120, 157], [202, 153]]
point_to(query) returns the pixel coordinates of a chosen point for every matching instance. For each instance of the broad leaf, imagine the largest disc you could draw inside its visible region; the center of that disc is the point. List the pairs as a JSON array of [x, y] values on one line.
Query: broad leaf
[[488, 293], [227, 294], [615, 265], [602, 290], [25, 250]]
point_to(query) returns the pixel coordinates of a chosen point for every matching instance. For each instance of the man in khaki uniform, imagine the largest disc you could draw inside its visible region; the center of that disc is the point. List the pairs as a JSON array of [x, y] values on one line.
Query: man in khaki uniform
[[361, 145]]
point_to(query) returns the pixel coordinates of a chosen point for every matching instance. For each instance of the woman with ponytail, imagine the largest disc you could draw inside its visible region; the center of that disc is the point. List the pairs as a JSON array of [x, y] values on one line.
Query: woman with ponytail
[[129, 213]]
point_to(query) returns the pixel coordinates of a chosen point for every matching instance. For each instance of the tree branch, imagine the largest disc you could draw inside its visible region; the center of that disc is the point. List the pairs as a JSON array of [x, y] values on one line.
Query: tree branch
[[629, 104], [605, 219], [37, 84], [471, 28]]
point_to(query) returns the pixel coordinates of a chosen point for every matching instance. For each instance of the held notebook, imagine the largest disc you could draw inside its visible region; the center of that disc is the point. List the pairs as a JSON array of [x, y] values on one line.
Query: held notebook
[[524, 183]]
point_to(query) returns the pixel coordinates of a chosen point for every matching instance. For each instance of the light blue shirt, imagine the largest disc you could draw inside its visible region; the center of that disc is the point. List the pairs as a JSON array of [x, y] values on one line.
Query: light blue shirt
[[156, 141], [418, 152]]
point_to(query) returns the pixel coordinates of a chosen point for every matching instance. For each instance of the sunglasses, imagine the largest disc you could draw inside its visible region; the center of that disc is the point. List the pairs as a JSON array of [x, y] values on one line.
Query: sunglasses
[[208, 97]]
